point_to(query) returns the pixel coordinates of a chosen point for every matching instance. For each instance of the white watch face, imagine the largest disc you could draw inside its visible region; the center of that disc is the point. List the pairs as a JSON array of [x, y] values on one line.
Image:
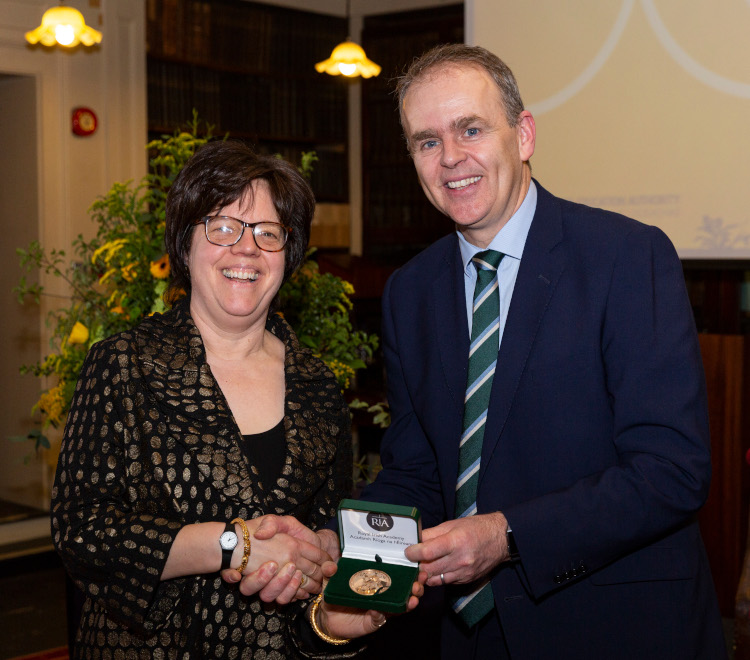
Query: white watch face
[[228, 540]]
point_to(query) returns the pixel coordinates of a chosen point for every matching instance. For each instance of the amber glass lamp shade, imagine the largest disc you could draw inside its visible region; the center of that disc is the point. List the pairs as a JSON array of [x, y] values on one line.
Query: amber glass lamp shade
[[348, 59], [64, 26]]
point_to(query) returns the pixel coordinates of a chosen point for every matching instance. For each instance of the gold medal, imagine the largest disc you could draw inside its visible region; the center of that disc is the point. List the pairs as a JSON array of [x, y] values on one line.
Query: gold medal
[[369, 582]]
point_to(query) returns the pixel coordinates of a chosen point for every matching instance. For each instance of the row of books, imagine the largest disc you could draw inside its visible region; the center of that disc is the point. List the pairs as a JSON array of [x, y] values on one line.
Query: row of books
[[329, 178], [270, 108], [243, 36], [398, 219], [415, 217], [383, 141]]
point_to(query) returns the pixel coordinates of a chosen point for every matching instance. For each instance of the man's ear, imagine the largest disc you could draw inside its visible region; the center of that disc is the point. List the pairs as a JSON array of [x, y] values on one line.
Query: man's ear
[[526, 129]]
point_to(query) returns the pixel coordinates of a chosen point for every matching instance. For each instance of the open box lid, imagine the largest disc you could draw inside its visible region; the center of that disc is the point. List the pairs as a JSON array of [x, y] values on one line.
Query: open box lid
[[378, 532]]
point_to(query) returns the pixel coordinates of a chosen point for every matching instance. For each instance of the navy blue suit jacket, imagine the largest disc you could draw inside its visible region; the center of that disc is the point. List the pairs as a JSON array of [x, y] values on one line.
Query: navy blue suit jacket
[[596, 446]]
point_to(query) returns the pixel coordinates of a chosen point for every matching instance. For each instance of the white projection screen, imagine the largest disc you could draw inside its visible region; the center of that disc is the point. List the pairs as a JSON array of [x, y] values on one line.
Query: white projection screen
[[641, 107]]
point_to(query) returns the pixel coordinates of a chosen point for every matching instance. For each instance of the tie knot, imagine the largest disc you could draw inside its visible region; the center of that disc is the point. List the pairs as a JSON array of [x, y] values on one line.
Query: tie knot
[[487, 260]]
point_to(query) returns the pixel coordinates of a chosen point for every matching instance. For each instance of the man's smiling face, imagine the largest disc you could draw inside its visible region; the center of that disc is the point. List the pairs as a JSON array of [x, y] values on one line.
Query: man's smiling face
[[470, 162]]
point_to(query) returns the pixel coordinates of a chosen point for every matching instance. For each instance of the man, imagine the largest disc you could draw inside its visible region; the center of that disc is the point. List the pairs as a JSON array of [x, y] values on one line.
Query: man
[[595, 448], [586, 434]]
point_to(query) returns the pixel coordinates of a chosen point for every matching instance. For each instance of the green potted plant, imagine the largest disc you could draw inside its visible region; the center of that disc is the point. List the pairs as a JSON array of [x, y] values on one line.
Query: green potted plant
[[121, 275]]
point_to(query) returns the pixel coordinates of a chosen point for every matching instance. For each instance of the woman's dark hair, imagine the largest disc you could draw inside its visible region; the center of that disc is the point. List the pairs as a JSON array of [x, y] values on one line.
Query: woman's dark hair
[[220, 173]]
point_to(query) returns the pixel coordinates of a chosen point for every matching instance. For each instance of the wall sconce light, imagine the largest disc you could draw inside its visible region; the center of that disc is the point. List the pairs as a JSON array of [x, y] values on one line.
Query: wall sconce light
[[348, 59], [64, 26]]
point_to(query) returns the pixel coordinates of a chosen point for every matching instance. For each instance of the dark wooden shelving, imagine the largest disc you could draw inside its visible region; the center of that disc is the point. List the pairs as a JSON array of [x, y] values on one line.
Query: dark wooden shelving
[[398, 219], [248, 70], [719, 292]]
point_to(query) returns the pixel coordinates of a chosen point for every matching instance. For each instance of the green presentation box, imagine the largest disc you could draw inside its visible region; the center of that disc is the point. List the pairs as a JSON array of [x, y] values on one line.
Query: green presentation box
[[373, 572]]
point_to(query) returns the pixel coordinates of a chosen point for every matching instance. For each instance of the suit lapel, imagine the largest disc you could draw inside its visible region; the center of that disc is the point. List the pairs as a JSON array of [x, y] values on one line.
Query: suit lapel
[[448, 302], [448, 322], [542, 264]]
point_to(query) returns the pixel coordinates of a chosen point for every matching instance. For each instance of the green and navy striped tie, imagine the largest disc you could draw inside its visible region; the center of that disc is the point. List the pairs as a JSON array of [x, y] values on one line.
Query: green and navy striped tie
[[485, 331]]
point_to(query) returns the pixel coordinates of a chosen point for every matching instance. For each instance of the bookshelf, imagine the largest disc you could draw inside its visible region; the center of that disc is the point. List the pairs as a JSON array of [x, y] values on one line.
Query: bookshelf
[[248, 69], [719, 292], [398, 220]]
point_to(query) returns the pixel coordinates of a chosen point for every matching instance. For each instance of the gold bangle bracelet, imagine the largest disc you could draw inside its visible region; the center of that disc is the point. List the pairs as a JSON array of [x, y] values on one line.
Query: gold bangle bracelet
[[246, 539], [316, 628]]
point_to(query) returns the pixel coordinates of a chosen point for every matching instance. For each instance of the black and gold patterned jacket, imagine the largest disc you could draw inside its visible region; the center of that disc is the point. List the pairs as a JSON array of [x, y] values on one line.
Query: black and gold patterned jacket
[[151, 445]]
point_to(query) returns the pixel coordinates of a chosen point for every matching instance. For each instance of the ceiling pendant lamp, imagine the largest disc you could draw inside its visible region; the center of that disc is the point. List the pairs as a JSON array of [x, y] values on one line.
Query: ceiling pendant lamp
[[64, 26], [348, 59]]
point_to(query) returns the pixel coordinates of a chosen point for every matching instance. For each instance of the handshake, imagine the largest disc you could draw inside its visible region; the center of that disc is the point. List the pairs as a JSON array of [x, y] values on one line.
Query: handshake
[[289, 562]]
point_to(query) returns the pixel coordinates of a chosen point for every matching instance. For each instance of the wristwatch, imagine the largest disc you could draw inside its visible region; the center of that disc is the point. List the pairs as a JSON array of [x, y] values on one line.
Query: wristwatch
[[228, 542], [512, 547]]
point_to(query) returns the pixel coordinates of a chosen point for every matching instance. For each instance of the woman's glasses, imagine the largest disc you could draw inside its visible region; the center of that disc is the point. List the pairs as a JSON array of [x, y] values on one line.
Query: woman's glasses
[[225, 231]]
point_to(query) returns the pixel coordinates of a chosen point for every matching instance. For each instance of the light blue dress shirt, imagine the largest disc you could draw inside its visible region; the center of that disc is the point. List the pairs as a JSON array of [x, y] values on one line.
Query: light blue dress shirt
[[510, 240]]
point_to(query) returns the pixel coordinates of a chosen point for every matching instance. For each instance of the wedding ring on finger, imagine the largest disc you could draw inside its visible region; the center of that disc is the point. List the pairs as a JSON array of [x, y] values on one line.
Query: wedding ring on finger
[[303, 580], [442, 579]]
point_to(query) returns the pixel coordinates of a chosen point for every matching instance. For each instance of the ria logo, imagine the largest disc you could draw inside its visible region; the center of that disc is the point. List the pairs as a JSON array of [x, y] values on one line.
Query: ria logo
[[380, 522]]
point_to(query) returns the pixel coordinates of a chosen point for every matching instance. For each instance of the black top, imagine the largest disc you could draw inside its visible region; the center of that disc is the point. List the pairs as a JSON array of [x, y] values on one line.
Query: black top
[[266, 451]]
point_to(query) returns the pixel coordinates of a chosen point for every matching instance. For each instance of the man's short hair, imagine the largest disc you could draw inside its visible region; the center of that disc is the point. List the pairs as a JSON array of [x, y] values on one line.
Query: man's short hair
[[463, 55]]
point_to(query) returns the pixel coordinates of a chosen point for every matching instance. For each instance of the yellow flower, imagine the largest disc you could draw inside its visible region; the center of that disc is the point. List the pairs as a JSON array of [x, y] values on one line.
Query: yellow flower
[[348, 288], [111, 248], [79, 334], [129, 273], [308, 269], [160, 268], [107, 275], [52, 405], [50, 361], [343, 372]]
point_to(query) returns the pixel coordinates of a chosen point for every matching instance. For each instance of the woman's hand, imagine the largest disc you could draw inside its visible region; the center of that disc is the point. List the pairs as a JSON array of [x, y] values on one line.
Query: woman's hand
[[287, 561], [348, 622]]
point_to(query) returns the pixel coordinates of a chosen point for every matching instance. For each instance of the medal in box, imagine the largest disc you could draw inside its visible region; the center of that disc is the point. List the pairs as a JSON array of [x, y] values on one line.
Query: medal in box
[[373, 571]]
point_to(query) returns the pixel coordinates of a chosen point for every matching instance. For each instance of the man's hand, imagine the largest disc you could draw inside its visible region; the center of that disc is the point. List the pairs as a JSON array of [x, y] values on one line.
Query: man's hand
[[329, 542], [325, 539], [286, 583], [462, 550]]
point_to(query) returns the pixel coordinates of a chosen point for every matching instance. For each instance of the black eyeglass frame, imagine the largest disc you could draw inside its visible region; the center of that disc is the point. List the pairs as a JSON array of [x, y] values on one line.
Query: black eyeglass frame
[[251, 225]]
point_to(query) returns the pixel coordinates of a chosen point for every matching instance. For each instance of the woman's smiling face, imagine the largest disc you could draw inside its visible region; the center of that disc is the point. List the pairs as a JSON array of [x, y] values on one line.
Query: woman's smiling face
[[234, 285]]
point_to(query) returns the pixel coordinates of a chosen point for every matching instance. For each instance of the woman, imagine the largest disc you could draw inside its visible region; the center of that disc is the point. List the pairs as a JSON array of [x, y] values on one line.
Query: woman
[[197, 424]]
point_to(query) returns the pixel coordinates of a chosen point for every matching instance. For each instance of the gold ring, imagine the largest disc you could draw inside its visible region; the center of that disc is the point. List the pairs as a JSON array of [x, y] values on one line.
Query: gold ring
[[303, 581]]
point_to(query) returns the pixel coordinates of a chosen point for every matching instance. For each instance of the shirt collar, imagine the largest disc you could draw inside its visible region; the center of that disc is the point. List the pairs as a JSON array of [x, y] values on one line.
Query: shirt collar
[[510, 240]]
